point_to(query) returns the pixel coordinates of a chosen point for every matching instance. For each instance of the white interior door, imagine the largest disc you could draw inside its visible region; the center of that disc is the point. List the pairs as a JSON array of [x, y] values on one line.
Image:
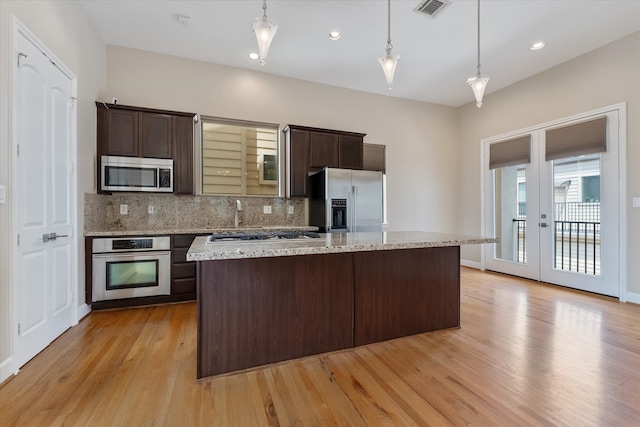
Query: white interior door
[[558, 220], [43, 118]]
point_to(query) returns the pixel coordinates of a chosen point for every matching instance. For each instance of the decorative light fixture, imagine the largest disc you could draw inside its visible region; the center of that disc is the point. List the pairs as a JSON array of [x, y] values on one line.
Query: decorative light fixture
[[479, 82], [389, 62], [265, 31]]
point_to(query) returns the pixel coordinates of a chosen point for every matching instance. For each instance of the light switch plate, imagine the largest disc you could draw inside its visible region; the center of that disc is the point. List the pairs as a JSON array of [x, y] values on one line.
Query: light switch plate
[[290, 210], [636, 202], [124, 209], [3, 194], [267, 209]]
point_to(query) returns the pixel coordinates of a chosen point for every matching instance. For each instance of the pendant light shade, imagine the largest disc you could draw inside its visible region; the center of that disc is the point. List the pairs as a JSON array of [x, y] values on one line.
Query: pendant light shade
[[479, 82], [265, 31], [389, 61]]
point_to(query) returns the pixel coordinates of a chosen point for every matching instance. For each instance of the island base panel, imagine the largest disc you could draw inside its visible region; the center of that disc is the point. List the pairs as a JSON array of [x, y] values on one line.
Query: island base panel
[[257, 311], [405, 292]]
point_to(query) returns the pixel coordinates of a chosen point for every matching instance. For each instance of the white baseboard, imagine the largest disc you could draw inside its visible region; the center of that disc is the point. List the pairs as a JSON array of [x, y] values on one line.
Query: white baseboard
[[83, 310], [6, 369], [633, 297], [471, 264]]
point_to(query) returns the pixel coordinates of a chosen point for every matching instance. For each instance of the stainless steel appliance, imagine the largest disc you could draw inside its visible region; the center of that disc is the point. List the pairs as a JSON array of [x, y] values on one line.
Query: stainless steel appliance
[[129, 268], [346, 200], [136, 174]]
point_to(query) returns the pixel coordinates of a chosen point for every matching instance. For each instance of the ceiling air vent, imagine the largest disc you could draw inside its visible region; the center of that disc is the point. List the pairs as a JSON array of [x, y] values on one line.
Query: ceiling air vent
[[431, 8]]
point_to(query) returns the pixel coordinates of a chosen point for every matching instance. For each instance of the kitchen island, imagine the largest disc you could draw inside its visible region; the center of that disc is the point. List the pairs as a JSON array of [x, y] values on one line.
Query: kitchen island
[[269, 301]]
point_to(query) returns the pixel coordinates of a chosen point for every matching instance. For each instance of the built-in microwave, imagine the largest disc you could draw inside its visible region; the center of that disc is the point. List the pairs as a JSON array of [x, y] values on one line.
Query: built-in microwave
[[136, 174]]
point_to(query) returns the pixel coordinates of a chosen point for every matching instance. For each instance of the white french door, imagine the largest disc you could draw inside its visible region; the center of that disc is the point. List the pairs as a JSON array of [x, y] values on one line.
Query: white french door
[[43, 119], [557, 219]]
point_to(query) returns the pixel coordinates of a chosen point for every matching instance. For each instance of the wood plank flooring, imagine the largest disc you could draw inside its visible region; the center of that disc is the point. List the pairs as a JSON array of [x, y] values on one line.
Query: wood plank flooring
[[526, 354]]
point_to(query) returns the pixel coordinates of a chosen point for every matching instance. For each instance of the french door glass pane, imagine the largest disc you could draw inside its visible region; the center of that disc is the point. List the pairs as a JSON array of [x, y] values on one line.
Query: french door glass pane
[[510, 213], [576, 214]]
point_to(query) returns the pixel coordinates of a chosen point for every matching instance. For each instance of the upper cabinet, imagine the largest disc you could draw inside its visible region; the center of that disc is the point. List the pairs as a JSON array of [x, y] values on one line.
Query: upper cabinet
[[143, 132], [310, 149]]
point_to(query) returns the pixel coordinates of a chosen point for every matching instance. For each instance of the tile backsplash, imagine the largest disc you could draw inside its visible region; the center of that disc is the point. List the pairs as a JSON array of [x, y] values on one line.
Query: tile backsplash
[[102, 212]]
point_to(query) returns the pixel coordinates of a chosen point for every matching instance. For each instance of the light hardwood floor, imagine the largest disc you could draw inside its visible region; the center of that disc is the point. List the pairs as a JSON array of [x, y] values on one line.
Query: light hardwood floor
[[526, 354]]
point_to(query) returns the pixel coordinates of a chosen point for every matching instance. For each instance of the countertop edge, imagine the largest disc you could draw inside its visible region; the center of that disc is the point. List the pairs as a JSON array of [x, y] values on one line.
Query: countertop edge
[[200, 251]]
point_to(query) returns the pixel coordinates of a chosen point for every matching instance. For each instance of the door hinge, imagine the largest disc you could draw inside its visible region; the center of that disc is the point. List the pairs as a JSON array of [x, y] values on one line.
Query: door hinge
[[18, 239], [18, 328], [18, 149]]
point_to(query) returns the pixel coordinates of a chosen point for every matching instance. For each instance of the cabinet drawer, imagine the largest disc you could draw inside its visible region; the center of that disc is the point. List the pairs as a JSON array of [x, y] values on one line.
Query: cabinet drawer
[[183, 270], [183, 286], [182, 240], [179, 255]]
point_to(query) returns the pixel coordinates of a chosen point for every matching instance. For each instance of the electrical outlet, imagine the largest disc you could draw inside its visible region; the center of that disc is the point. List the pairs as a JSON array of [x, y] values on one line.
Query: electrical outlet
[[290, 210], [267, 209], [152, 209], [124, 209]]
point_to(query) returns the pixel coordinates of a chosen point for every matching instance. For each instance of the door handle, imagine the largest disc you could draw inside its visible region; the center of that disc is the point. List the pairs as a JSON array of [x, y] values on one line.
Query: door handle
[[543, 224], [52, 236]]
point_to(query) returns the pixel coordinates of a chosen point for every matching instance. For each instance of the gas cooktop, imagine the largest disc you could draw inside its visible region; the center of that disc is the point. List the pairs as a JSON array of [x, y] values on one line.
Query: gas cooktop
[[260, 235]]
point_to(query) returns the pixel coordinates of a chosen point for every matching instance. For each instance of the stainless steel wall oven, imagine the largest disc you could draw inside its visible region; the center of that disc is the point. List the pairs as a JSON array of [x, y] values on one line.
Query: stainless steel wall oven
[[129, 268]]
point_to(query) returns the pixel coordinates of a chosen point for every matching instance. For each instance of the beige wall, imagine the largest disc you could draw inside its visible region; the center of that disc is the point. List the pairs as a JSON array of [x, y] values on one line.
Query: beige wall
[[421, 138], [65, 31], [603, 77]]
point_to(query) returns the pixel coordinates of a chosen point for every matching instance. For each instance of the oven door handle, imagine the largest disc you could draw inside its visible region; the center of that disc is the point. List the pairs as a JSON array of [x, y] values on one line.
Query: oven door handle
[[131, 254]]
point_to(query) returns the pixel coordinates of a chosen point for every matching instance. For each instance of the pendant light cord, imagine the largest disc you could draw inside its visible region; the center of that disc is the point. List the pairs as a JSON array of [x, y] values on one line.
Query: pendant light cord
[[478, 38], [389, 46], [264, 9]]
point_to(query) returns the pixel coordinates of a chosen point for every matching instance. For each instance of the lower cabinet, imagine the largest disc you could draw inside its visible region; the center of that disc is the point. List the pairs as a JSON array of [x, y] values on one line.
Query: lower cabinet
[[183, 272]]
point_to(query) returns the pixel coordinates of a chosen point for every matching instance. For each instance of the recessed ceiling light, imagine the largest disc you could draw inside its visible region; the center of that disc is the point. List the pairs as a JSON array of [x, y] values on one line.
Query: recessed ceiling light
[[254, 55], [335, 35], [537, 45]]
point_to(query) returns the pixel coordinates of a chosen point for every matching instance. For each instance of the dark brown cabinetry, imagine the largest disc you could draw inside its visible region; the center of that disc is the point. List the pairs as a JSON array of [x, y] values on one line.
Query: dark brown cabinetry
[[143, 132], [183, 272], [297, 162], [323, 150], [311, 149], [182, 155], [256, 311]]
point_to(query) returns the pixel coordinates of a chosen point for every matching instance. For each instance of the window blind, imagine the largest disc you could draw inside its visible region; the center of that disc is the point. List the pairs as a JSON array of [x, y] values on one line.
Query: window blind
[[511, 152], [577, 140]]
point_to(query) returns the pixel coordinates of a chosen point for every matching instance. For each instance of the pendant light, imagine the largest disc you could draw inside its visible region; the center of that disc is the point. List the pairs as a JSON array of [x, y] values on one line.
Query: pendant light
[[265, 31], [389, 62], [479, 82]]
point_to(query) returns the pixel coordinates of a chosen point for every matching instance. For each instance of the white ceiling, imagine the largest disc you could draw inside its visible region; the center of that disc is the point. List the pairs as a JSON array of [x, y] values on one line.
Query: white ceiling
[[437, 55]]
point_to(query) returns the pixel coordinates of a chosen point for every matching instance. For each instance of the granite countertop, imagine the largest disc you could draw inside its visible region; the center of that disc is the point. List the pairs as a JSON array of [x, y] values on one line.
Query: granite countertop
[[167, 231], [328, 243]]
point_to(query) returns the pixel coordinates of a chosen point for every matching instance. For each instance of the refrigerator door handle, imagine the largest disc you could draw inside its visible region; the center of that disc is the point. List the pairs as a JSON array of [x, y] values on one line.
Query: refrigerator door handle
[[354, 213]]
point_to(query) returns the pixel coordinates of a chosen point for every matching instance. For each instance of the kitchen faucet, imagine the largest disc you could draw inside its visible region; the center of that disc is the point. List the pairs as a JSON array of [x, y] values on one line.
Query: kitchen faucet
[[237, 220]]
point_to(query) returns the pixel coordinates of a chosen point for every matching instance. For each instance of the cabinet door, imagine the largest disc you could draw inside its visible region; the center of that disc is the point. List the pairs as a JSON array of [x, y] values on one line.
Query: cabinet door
[[119, 131], [156, 135], [350, 152], [298, 162], [182, 155], [323, 150]]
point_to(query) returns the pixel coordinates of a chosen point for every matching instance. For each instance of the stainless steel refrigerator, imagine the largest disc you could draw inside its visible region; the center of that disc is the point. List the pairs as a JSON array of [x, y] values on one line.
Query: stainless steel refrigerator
[[345, 200]]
